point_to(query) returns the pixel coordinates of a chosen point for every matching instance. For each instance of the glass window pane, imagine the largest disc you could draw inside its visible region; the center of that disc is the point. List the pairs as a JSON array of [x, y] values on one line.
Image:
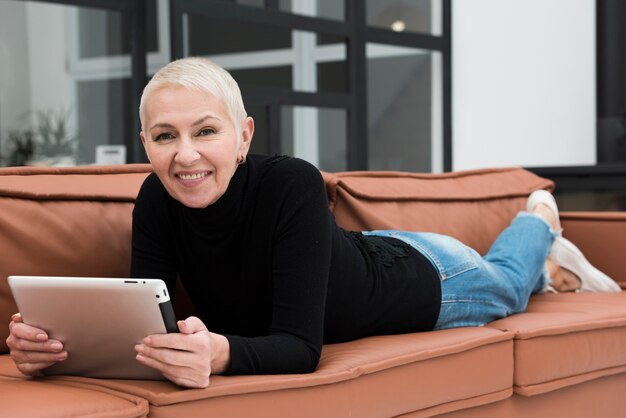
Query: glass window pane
[[105, 33], [327, 9], [325, 39], [260, 139], [209, 36], [318, 135], [404, 109], [56, 106], [268, 77], [268, 56], [105, 116], [332, 76], [593, 200], [253, 3], [423, 16]]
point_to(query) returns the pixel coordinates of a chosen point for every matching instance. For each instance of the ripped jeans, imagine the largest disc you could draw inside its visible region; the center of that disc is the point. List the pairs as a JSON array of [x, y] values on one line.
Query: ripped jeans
[[476, 290]]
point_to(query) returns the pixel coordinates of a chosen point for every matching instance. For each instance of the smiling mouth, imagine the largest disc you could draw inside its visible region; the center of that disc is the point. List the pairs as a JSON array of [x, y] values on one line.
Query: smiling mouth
[[194, 176]]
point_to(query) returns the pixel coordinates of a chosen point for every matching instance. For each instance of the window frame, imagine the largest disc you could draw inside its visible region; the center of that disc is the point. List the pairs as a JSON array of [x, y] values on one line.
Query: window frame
[[136, 9], [357, 35]]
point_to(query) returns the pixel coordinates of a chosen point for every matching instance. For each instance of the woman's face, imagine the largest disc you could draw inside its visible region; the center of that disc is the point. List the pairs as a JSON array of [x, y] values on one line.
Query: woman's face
[[192, 144]]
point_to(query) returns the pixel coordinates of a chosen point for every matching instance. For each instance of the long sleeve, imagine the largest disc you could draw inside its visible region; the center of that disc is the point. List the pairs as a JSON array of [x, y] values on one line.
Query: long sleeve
[[299, 273]]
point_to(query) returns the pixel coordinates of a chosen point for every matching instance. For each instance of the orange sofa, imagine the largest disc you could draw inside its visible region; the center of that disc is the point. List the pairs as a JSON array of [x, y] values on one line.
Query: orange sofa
[[566, 356]]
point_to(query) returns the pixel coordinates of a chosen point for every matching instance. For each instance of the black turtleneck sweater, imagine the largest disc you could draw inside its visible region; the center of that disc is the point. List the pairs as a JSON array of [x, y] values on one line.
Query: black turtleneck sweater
[[267, 266]]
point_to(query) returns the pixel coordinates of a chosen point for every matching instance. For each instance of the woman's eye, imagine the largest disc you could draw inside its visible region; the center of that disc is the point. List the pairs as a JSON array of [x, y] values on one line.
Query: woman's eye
[[206, 131], [164, 136]]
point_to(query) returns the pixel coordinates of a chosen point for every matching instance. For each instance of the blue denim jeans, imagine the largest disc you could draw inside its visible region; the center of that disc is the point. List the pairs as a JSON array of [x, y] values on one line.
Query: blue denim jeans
[[476, 290]]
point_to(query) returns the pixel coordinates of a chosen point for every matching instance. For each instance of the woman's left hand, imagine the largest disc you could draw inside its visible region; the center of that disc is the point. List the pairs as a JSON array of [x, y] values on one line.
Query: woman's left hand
[[187, 358]]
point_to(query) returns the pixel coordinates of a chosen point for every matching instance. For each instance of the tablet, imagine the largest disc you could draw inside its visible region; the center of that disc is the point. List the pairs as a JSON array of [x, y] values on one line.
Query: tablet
[[98, 320]]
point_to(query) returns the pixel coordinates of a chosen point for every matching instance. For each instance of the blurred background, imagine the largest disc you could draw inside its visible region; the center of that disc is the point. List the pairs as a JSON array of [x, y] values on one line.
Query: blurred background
[[413, 85]]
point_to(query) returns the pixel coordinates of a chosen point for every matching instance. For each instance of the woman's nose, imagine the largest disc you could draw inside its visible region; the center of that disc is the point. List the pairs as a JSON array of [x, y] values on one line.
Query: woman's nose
[[187, 153]]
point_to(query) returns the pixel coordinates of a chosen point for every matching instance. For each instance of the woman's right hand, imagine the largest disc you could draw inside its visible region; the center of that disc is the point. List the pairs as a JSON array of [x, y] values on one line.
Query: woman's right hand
[[31, 349]]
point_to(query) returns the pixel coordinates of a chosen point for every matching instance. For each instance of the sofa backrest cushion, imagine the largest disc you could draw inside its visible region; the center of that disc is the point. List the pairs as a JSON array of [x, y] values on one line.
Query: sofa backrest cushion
[[65, 222], [472, 206]]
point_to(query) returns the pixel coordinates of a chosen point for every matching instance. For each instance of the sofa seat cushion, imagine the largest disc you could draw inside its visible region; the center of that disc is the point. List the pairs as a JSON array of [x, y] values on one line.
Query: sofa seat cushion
[[566, 339], [378, 376], [51, 398]]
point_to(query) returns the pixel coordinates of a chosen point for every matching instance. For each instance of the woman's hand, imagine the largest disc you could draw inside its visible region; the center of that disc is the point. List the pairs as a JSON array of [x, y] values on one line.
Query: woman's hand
[[187, 358], [31, 350]]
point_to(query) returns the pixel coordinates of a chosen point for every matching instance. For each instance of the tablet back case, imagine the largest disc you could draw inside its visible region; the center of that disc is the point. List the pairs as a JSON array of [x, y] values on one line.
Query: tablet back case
[[98, 320]]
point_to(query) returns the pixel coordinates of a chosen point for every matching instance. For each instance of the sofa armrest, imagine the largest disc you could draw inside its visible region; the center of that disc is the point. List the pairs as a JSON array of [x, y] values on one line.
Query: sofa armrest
[[602, 238]]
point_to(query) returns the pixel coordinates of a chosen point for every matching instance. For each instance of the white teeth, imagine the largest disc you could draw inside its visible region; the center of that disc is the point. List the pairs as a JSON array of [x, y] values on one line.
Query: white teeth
[[193, 176]]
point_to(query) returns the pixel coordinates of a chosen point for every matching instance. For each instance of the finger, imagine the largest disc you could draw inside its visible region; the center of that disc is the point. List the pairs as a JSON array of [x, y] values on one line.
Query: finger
[[174, 341], [163, 356], [183, 327], [16, 317], [191, 325], [27, 332], [50, 346], [33, 357], [24, 337], [189, 360], [33, 369], [198, 343], [180, 375], [164, 363]]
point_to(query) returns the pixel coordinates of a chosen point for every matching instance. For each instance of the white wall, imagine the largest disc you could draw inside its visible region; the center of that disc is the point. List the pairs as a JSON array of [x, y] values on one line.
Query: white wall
[[523, 83]]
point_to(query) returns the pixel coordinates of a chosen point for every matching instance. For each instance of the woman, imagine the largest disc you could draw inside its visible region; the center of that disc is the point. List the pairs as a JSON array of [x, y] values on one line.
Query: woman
[[270, 273]]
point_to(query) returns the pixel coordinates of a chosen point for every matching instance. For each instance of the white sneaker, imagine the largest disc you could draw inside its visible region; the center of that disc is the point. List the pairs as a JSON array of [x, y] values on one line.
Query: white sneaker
[[545, 197], [565, 254]]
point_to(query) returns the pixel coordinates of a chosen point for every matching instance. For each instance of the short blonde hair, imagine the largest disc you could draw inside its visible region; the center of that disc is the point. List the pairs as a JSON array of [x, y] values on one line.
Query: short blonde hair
[[198, 74]]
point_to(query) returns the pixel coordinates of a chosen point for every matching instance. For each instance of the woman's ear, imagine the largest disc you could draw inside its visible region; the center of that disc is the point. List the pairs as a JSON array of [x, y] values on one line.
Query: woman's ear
[[143, 142], [247, 131]]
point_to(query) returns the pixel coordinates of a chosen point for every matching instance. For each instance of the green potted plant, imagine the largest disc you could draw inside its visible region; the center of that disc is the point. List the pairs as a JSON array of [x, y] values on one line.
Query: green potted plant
[[55, 143], [46, 140], [22, 143]]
